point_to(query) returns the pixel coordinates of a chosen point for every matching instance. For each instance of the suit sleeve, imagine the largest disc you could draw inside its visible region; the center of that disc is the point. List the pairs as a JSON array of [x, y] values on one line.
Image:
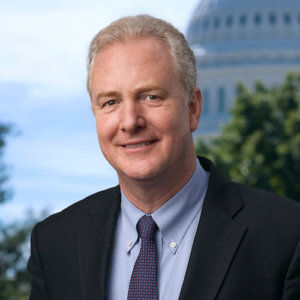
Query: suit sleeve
[[291, 289], [35, 269]]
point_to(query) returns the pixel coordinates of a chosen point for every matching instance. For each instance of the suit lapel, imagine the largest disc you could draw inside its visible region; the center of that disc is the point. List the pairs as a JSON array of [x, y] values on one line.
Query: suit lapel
[[216, 241], [94, 244]]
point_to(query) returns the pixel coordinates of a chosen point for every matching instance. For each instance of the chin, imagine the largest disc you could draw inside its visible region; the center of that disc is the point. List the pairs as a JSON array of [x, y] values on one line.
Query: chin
[[139, 172], [140, 176]]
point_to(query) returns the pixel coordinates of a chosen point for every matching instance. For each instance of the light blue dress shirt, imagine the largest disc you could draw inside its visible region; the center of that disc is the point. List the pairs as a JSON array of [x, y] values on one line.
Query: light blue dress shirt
[[177, 221]]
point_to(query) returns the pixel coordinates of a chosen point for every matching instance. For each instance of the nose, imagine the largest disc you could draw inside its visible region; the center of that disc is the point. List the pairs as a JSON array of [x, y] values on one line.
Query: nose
[[132, 118]]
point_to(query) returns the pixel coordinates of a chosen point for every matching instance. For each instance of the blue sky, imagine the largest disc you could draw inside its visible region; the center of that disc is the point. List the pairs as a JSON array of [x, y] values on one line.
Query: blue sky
[[55, 159]]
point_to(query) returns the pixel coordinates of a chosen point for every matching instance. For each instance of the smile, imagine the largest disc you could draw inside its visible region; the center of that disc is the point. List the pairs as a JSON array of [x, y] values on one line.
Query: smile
[[137, 145]]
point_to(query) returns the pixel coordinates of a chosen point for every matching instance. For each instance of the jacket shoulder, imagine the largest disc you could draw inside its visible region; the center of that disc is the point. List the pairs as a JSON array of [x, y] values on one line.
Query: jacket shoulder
[[270, 218], [269, 202], [75, 214], [250, 206]]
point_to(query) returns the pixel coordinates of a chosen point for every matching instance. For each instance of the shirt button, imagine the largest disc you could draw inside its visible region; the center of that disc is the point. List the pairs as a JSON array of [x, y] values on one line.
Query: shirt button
[[129, 243], [173, 245]]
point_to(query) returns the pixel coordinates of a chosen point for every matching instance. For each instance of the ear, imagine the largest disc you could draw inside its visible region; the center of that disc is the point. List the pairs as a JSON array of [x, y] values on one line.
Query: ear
[[195, 106]]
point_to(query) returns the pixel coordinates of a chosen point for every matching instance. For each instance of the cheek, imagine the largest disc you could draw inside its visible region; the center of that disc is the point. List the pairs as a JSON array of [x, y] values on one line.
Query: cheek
[[175, 121], [104, 128], [174, 128]]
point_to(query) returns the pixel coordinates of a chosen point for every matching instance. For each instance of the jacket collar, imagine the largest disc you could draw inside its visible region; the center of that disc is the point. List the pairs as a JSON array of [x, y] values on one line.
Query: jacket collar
[[95, 241], [217, 238]]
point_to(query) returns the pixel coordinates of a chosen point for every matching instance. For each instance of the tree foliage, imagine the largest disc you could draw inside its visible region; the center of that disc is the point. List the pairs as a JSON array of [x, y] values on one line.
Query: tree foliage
[[14, 245], [14, 250], [4, 193], [260, 146]]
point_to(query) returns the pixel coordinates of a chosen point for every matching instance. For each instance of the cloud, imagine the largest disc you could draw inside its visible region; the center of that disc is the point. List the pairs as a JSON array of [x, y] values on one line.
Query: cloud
[[43, 51], [45, 43]]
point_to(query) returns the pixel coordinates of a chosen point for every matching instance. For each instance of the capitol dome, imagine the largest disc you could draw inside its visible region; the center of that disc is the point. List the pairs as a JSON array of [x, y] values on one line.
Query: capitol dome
[[241, 40]]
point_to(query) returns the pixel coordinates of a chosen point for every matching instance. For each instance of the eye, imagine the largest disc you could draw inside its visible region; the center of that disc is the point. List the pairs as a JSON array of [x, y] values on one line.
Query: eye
[[151, 97], [109, 103]]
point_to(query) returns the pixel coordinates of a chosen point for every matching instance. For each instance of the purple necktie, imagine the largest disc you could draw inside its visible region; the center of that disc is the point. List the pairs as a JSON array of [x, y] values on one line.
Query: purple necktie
[[143, 282]]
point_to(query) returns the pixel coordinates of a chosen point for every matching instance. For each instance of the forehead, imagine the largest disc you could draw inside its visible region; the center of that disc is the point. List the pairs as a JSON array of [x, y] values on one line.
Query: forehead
[[133, 60]]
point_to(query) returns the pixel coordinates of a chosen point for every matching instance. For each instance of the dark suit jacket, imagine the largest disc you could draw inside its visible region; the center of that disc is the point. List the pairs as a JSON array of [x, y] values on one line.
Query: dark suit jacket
[[246, 247]]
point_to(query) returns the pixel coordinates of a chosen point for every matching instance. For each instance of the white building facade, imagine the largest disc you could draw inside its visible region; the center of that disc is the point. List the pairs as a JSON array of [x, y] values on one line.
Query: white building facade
[[241, 40]]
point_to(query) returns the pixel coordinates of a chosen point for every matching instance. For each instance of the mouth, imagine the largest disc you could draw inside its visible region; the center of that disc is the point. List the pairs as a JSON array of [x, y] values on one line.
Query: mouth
[[137, 145]]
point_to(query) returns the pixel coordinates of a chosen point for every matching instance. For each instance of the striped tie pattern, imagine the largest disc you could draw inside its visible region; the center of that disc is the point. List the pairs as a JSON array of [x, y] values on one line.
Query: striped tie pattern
[[143, 282]]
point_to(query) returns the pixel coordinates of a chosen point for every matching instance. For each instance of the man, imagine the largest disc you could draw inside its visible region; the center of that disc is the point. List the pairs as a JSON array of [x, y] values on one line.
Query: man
[[173, 228]]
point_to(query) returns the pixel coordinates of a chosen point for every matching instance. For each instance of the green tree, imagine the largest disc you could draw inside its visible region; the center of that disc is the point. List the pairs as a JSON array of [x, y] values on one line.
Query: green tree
[[4, 193], [260, 146], [14, 246], [14, 250]]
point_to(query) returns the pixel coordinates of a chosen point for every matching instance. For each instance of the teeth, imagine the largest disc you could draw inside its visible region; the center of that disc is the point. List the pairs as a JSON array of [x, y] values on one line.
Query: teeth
[[137, 145]]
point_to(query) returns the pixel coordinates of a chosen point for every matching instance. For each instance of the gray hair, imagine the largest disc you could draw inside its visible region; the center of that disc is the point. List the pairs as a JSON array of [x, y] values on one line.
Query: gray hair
[[147, 26]]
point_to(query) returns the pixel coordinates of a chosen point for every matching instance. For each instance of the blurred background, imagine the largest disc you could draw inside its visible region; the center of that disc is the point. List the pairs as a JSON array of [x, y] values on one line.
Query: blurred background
[[248, 59]]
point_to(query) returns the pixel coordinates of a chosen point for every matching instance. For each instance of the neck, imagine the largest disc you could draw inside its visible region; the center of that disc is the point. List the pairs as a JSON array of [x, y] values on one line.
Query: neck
[[149, 195]]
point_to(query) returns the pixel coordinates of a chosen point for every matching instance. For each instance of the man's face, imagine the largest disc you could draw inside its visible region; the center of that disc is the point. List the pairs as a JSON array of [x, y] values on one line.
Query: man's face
[[143, 120]]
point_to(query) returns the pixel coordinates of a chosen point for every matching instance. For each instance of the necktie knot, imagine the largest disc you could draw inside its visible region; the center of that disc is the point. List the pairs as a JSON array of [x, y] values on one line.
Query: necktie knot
[[146, 227]]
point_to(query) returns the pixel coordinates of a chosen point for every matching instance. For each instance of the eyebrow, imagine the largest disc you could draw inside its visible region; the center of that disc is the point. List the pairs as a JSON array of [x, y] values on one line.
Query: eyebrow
[[139, 90], [106, 95], [147, 88]]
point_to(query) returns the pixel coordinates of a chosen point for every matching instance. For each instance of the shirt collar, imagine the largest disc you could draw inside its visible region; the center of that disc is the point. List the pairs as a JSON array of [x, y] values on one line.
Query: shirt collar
[[130, 215], [174, 217]]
